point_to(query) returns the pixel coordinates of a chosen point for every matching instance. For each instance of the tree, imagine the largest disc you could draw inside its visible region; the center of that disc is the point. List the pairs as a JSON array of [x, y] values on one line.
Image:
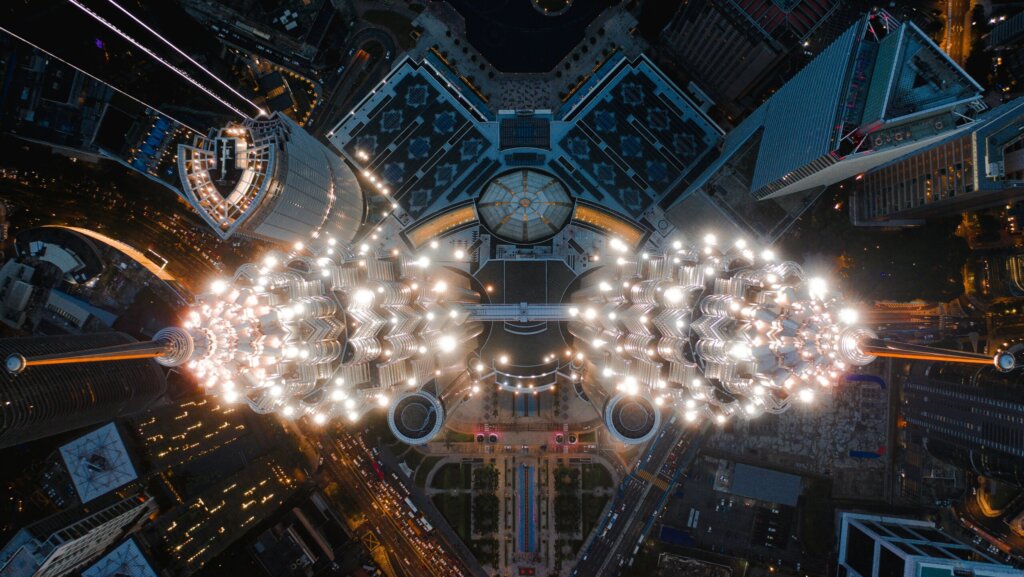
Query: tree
[[567, 480], [485, 479], [567, 499], [567, 513], [485, 513]]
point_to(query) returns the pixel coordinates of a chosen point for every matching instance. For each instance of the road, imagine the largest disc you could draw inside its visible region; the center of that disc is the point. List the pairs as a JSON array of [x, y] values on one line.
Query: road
[[194, 253], [639, 500], [969, 512], [957, 41], [364, 66], [444, 531], [413, 550]]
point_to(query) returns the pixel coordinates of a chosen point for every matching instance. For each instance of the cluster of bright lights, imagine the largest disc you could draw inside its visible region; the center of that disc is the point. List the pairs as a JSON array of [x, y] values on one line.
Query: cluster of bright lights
[[379, 184], [554, 369], [326, 331], [714, 331]]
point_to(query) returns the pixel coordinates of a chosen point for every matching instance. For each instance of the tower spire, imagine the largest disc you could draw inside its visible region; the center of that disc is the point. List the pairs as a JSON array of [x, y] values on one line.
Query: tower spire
[[170, 347], [886, 348]]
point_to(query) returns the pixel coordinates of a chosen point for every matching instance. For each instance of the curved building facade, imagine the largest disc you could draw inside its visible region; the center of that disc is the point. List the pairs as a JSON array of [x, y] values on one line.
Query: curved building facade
[[270, 179], [48, 400]]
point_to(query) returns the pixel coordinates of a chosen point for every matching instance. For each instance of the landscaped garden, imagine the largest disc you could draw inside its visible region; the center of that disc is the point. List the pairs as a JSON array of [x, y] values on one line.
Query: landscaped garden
[[485, 502], [456, 509], [453, 476], [567, 500]]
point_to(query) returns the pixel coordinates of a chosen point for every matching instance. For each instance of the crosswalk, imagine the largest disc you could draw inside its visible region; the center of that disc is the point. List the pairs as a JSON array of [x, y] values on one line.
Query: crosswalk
[[657, 481]]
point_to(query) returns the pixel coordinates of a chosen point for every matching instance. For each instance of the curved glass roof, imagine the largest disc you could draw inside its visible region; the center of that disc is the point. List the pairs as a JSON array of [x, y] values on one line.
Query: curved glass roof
[[525, 206]]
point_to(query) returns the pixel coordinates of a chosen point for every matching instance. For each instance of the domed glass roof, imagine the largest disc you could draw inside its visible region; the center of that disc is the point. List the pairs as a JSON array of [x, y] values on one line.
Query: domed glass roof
[[525, 206]]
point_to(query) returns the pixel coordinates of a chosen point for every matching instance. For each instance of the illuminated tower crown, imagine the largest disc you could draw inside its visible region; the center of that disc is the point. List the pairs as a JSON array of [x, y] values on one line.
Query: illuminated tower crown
[[325, 332], [716, 332]]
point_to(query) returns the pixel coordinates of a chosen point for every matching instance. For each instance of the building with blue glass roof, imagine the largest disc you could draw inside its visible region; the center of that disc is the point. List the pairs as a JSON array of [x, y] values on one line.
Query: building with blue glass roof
[[623, 142]]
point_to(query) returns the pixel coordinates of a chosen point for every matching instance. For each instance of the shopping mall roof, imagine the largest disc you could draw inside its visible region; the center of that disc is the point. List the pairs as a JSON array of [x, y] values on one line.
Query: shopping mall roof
[[525, 206], [626, 139], [98, 462], [416, 136], [636, 138]]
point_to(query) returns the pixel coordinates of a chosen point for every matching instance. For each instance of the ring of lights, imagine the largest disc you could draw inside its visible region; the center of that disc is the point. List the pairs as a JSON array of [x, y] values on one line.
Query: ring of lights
[[326, 331], [180, 346], [416, 418], [632, 419]]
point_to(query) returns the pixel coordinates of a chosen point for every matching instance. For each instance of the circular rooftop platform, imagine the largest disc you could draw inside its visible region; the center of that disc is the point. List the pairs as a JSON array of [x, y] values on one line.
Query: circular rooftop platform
[[415, 418], [632, 419], [525, 206]]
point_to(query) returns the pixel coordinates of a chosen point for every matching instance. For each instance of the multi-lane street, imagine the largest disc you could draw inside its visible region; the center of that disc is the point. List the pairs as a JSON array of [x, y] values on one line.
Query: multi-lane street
[[640, 497], [412, 544], [957, 41], [987, 528], [371, 53]]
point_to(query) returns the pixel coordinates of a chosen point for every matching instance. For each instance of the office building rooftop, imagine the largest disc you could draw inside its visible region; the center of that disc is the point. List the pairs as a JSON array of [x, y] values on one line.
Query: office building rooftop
[[882, 546], [125, 560], [98, 462]]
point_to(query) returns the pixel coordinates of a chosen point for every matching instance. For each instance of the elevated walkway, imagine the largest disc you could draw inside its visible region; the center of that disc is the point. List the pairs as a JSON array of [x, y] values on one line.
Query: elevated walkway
[[517, 313]]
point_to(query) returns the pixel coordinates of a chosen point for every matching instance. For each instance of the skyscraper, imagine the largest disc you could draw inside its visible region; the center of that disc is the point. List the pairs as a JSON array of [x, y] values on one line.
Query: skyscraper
[[65, 541], [205, 525], [75, 113], [920, 321], [968, 416], [1007, 40], [98, 463], [269, 179], [47, 400], [969, 170], [731, 47], [278, 337], [875, 546], [881, 90], [125, 560]]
